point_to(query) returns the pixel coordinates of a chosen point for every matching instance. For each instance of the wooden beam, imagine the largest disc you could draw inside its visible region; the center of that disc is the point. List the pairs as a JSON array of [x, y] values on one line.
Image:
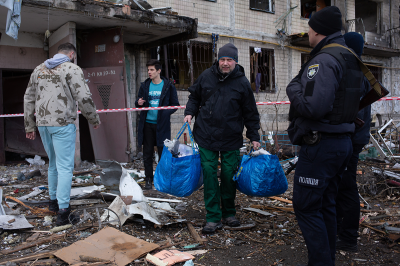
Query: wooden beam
[[194, 233], [2, 137], [281, 199], [30, 257]]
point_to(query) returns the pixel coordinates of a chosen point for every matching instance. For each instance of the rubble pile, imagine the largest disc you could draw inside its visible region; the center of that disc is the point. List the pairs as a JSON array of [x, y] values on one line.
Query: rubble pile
[[121, 227]]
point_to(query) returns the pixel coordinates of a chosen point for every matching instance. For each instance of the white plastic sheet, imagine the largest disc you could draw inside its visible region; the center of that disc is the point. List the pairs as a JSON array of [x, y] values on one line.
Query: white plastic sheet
[[129, 187]]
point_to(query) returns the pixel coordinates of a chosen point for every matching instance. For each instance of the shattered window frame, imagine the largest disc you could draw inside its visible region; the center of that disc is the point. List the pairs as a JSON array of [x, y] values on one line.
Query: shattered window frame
[[186, 61], [376, 71], [256, 6], [304, 58], [370, 13], [268, 70], [304, 10]]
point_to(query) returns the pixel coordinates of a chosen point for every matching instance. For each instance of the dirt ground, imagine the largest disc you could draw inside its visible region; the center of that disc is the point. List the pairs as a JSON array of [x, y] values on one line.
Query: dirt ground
[[274, 240]]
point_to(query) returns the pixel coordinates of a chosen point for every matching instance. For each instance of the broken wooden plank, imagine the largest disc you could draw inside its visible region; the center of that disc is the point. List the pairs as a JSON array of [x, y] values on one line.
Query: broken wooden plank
[[373, 228], [30, 257], [165, 200], [262, 207], [168, 245], [281, 199], [92, 264], [194, 233], [92, 259], [240, 228], [381, 223], [259, 211], [85, 202], [86, 172], [33, 237], [378, 211], [47, 262], [40, 241]]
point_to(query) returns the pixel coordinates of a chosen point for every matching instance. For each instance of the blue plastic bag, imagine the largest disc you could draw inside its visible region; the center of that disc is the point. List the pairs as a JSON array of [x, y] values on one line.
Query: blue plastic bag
[[261, 176], [179, 176]]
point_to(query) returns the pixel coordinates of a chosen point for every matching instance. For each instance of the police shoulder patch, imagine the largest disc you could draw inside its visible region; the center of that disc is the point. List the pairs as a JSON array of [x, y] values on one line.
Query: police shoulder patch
[[312, 71]]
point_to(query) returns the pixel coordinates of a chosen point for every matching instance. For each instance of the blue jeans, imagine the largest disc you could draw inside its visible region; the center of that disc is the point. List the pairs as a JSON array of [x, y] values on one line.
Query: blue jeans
[[318, 174], [59, 143]]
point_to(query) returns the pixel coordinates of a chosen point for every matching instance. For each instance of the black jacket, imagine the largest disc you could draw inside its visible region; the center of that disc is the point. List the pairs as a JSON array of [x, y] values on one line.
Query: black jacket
[[361, 135], [312, 106], [220, 122], [168, 97]]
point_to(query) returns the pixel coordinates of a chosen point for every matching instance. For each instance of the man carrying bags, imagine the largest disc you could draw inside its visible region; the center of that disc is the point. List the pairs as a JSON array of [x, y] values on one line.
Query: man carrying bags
[[223, 103]]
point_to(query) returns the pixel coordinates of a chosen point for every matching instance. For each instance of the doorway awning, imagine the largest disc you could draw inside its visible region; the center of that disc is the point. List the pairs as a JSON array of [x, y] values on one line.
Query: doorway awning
[[139, 26]]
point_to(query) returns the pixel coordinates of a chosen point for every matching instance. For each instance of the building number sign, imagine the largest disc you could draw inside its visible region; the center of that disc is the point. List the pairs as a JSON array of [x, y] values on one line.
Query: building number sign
[[101, 73]]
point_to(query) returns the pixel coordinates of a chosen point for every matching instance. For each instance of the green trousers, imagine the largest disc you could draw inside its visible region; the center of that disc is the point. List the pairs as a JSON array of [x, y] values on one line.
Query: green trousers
[[219, 199]]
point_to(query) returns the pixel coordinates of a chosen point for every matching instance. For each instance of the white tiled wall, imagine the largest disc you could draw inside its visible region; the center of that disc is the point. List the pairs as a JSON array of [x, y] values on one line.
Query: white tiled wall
[[248, 24]]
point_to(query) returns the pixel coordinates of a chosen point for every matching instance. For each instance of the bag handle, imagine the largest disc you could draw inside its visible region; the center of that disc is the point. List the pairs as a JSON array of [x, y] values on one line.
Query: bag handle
[[367, 73], [192, 142]]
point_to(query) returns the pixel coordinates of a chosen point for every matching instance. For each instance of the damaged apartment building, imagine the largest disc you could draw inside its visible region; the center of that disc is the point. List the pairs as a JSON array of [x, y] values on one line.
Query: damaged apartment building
[[272, 40], [185, 36], [112, 39]]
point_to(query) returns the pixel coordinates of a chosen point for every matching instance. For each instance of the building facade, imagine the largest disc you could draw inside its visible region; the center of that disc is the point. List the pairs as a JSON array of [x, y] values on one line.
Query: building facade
[[278, 31]]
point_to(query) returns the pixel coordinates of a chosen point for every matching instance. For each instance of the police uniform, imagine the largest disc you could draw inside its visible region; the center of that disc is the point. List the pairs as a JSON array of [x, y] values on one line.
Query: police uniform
[[324, 103], [347, 200]]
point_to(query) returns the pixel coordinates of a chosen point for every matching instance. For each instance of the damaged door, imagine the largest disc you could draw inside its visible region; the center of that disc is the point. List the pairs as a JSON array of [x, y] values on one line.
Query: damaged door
[[14, 87], [110, 141]]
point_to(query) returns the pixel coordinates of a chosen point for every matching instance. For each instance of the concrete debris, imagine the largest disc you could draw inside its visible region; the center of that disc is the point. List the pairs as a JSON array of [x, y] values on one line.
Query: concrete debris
[[2, 211], [169, 225], [23, 177], [14, 222]]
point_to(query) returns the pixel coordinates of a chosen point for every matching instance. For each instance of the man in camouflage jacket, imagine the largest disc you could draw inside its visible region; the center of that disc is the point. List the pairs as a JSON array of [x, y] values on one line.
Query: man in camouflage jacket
[[52, 92]]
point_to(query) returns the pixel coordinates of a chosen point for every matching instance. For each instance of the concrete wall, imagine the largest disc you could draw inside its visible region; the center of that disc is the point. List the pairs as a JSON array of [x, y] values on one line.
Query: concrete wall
[[66, 33], [234, 19], [25, 53]]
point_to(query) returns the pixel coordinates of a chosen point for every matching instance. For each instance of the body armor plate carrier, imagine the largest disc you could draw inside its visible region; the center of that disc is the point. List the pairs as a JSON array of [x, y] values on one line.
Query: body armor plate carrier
[[349, 93]]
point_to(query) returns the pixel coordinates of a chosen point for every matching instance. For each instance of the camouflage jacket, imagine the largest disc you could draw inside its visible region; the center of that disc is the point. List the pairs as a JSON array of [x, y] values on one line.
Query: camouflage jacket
[[52, 94]]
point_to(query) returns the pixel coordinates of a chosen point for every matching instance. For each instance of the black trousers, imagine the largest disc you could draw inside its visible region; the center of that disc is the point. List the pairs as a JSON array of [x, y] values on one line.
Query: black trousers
[[149, 141], [318, 173], [348, 202]]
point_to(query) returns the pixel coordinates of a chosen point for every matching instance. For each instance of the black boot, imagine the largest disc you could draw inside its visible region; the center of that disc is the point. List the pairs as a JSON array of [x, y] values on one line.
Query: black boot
[[53, 205], [149, 183], [64, 217]]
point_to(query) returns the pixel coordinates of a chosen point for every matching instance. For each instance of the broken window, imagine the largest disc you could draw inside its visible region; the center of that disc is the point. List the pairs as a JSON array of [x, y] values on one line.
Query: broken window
[[185, 61], [263, 5], [305, 58], [262, 70], [309, 7], [369, 12], [377, 72]]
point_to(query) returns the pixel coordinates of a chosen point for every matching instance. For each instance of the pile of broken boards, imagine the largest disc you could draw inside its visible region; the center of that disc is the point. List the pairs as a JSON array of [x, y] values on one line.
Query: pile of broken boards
[[101, 237]]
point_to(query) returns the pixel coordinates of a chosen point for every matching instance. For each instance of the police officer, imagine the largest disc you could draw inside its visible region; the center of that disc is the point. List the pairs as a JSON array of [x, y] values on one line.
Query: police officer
[[324, 100], [347, 200]]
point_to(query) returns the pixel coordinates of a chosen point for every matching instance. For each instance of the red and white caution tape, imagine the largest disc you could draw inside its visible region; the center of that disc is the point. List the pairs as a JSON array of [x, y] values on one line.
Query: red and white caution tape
[[182, 107]]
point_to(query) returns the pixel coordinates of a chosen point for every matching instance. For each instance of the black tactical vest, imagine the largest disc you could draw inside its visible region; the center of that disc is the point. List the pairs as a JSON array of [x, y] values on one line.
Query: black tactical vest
[[348, 96]]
